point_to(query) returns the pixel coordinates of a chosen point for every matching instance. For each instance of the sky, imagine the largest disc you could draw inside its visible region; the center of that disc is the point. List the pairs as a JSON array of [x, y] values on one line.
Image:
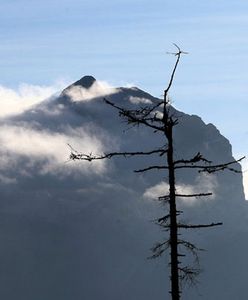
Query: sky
[[48, 44]]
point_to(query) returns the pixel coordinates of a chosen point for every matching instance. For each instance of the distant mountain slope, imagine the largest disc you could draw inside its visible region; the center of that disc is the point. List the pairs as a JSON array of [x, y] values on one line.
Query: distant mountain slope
[[75, 230]]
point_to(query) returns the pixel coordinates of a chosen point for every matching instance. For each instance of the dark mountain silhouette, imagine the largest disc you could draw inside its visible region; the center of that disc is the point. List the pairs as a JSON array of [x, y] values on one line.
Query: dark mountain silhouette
[[82, 231], [85, 82]]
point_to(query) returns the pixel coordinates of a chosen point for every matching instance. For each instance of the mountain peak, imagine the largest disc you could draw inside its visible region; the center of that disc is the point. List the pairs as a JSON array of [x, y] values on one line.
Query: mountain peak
[[85, 82]]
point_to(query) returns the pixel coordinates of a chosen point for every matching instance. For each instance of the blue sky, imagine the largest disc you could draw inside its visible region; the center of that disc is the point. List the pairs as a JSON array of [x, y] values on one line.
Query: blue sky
[[126, 42]]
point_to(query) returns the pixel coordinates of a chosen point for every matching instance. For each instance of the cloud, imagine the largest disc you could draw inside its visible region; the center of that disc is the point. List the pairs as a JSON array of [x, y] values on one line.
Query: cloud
[[25, 96], [245, 177], [7, 180], [51, 111], [203, 184], [162, 189], [137, 100], [48, 148], [98, 89], [156, 191], [25, 144]]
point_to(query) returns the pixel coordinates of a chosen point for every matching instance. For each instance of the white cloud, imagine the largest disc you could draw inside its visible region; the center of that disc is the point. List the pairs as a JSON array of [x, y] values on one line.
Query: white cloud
[[49, 148], [203, 184], [244, 165], [162, 189], [137, 100], [25, 96], [98, 89], [156, 191], [26, 144], [55, 111]]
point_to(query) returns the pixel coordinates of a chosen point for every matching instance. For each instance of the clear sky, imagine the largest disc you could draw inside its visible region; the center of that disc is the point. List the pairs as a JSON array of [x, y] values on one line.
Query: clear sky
[[125, 42]]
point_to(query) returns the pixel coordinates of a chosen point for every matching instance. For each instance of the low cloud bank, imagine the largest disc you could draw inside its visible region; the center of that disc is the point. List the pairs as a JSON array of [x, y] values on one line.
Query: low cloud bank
[[137, 100], [26, 145], [203, 184], [98, 89], [25, 142], [14, 102]]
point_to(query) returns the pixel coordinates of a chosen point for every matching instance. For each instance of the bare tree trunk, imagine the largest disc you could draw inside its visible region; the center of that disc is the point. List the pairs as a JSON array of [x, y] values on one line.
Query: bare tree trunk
[[175, 292]]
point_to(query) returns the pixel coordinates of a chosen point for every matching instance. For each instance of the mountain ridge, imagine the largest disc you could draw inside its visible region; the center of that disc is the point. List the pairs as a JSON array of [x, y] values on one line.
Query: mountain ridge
[[83, 231]]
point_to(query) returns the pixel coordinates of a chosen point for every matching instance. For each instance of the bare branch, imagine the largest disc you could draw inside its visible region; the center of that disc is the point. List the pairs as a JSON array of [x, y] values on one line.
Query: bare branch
[[90, 157], [164, 219], [164, 198], [149, 110], [198, 157], [168, 120], [151, 168], [159, 248], [194, 195], [167, 197], [188, 275], [190, 247], [186, 226], [132, 118], [178, 54], [213, 168]]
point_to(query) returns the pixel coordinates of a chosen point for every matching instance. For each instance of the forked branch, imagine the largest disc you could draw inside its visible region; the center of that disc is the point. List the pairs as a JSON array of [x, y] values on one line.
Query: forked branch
[[198, 157], [213, 168], [133, 117]]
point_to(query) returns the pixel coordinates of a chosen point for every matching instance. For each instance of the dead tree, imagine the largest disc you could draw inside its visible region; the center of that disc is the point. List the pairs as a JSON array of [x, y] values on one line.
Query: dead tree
[[150, 116]]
